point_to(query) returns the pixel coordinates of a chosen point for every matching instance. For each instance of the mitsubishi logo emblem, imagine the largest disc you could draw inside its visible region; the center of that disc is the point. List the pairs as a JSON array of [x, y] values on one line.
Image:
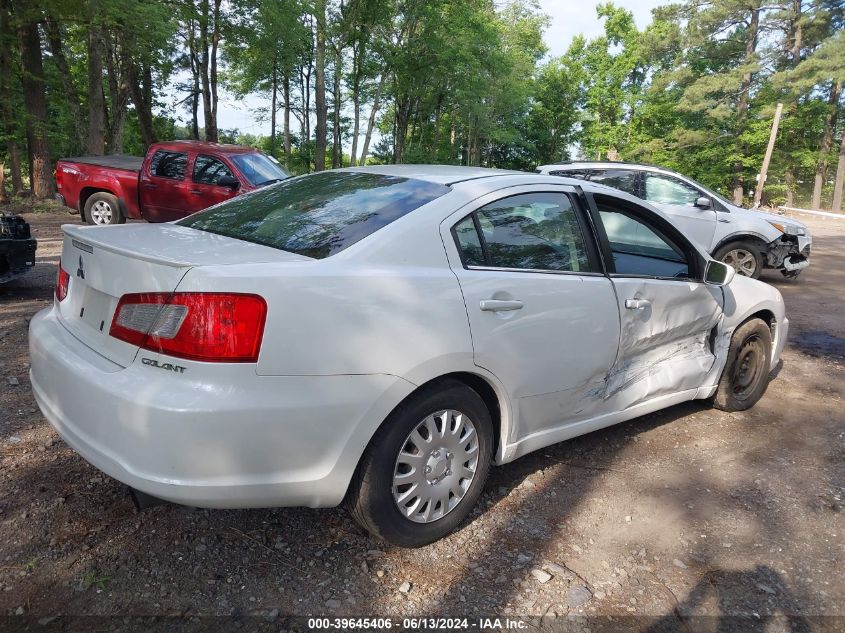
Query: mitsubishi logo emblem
[[80, 272]]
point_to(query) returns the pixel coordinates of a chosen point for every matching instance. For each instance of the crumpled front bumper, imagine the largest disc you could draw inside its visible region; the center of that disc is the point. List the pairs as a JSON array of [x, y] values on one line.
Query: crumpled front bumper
[[790, 252]]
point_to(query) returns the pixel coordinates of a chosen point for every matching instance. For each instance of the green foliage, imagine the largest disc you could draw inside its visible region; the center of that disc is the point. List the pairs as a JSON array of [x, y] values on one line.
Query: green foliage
[[464, 82]]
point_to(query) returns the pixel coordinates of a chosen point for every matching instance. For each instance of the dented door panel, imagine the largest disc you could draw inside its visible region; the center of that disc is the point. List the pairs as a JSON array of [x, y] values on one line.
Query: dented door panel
[[666, 341]]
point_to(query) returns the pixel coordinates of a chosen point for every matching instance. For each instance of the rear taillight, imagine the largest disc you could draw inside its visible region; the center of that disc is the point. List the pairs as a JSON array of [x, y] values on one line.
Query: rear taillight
[[205, 326], [62, 281]]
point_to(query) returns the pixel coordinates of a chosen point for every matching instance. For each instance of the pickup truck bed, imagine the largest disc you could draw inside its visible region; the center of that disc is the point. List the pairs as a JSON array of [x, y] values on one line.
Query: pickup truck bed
[[114, 161]]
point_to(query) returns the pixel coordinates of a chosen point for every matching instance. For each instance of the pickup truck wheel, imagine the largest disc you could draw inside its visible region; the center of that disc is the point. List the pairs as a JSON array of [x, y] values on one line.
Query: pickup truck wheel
[[103, 208], [746, 374], [425, 469], [744, 257]]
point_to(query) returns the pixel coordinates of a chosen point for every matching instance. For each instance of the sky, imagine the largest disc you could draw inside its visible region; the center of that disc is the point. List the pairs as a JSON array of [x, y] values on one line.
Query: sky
[[568, 18]]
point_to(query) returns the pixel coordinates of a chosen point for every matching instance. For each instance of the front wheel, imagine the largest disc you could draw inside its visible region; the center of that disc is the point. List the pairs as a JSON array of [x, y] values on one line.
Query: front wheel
[[746, 374], [424, 470], [744, 257], [104, 209]]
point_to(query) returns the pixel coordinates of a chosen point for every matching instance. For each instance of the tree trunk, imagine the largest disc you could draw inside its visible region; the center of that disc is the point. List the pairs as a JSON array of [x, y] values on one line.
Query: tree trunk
[[205, 73], [371, 122], [320, 87], [286, 90], [142, 98], [195, 74], [797, 37], [827, 142], [337, 150], [54, 39], [453, 135], [212, 80], [403, 118], [742, 106], [274, 92], [4, 197], [35, 102], [356, 102], [8, 104], [96, 144], [117, 64], [840, 178]]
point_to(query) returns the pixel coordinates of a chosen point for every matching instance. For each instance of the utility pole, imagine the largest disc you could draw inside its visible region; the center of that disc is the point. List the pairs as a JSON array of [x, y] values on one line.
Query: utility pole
[[761, 178]]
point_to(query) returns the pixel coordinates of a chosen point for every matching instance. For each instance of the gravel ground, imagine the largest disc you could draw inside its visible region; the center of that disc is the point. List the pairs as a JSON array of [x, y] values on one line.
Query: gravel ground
[[733, 517]]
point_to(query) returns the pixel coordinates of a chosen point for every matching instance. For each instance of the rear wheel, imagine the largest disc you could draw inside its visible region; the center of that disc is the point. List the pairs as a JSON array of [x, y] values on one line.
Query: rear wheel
[[744, 257], [746, 374], [103, 208], [424, 471]]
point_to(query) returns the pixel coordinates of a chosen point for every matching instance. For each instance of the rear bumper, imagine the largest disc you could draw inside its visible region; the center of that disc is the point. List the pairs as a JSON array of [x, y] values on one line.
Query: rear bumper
[[17, 256], [239, 440]]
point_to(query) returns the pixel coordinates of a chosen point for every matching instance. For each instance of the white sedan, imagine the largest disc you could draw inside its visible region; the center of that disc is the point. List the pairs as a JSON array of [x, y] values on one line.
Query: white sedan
[[382, 335]]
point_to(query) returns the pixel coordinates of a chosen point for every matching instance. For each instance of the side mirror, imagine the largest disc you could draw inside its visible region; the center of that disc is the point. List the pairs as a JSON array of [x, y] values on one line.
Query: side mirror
[[228, 181], [718, 273], [704, 203]]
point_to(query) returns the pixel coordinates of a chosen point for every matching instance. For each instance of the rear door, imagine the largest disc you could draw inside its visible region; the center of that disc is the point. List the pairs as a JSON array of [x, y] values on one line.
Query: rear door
[[165, 194], [205, 187], [543, 318], [676, 199], [667, 313]]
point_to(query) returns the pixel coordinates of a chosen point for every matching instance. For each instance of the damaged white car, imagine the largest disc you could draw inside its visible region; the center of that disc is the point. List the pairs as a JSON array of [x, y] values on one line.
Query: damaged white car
[[747, 240], [382, 336]]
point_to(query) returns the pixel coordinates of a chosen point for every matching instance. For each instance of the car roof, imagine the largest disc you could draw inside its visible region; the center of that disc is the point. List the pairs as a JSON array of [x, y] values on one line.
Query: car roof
[[440, 174], [610, 164], [204, 146]]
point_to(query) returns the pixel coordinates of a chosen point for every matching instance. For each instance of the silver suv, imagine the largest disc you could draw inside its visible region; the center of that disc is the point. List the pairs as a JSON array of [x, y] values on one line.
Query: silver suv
[[747, 240]]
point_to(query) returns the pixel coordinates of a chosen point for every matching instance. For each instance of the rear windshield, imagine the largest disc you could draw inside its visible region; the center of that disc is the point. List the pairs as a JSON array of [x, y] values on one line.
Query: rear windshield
[[317, 215]]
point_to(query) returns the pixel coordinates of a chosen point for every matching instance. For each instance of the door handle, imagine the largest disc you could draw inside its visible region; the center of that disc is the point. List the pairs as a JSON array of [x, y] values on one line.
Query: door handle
[[149, 185], [499, 305], [637, 304], [196, 192]]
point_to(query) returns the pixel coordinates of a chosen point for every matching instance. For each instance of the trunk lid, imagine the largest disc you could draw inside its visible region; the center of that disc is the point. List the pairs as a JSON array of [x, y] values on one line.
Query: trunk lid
[[104, 263]]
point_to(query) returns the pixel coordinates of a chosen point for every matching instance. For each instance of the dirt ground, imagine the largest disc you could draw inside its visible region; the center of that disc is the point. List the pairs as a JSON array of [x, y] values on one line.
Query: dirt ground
[[689, 519]]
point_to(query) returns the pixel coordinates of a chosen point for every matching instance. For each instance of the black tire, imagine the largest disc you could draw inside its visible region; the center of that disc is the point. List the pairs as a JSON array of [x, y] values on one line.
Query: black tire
[[727, 255], [370, 497], [790, 274], [746, 374], [106, 212]]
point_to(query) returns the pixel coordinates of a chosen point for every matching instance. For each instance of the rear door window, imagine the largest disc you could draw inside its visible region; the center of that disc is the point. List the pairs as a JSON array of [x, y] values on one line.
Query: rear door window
[[622, 179], [166, 164], [532, 231], [317, 215]]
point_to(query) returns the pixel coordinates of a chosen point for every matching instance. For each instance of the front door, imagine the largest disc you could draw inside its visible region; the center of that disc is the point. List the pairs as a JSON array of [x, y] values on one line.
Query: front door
[[205, 188], [667, 313], [677, 200], [543, 319]]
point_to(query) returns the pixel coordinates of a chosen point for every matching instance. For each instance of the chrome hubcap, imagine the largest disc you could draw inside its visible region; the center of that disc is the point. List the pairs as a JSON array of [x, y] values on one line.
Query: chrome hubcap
[[742, 261], [436, 466], [101, 212]]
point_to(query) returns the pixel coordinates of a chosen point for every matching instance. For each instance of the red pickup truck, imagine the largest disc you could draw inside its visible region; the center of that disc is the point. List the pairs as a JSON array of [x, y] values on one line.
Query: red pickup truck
[[173, 180]]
